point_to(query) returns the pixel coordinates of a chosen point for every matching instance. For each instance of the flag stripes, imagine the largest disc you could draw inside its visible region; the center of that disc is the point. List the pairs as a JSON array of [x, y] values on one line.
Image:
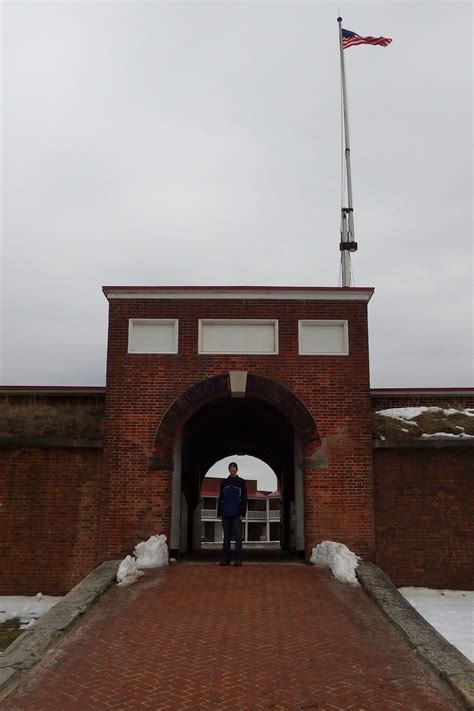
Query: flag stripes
[[351, 38]]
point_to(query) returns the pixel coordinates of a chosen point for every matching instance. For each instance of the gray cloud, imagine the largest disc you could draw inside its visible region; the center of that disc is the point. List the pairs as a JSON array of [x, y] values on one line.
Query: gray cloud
[[168, 143]]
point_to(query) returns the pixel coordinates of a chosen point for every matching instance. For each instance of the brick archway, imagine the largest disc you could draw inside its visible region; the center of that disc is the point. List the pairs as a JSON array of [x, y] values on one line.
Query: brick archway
[[217, 387], [210, 418]]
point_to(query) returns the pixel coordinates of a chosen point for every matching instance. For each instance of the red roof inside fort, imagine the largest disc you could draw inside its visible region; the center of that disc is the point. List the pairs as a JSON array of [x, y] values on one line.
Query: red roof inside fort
[[211, 487]]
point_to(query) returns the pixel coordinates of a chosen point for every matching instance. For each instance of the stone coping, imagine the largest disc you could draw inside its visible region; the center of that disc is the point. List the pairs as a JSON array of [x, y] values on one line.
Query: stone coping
[[447, 661], [67, 443], [50, 442], [420, 392], [31, 646], [285, 293]]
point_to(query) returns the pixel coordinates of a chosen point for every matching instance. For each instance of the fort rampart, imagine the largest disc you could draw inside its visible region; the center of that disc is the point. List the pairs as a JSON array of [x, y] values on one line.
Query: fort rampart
[[52, 480]]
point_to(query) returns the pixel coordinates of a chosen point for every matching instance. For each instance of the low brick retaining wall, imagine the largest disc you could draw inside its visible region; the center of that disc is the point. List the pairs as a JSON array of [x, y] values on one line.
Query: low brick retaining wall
[[52, 490], [50, 504], [424, 503]]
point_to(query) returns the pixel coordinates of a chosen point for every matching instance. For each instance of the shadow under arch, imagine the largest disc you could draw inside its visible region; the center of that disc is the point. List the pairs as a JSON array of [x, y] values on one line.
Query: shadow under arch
[[218, 387]]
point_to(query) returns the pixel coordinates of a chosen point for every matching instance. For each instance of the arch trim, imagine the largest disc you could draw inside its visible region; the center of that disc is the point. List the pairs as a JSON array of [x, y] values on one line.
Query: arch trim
[[218, 387]]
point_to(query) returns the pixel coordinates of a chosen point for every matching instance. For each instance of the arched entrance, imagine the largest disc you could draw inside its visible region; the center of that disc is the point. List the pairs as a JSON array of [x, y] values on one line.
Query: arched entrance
[[212, 420]]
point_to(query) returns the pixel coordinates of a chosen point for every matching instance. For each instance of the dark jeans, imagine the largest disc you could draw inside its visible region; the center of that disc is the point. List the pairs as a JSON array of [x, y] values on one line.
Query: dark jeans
[[232, 527]]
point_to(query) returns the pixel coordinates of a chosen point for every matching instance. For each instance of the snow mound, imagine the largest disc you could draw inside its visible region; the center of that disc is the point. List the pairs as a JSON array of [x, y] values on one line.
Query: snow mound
[[342, 561], [128, 572], [152, 553]]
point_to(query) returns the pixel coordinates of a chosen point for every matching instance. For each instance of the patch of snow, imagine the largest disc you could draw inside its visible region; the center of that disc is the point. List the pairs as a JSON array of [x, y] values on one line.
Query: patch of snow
[[409, 413], [152, 553], [26, 608], [395, 417], [447, 435], [342, 561], [406, 413], [451, 612]]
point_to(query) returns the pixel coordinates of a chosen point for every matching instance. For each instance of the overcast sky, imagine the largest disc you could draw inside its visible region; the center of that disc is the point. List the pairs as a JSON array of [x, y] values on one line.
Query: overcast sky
[[199, 143]]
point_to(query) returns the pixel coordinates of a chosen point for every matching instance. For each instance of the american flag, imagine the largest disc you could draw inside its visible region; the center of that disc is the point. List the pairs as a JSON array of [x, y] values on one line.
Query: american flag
[[351, 38]]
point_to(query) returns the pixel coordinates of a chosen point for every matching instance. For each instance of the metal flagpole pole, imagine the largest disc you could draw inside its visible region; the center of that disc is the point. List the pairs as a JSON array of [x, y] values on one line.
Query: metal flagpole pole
[[347, 244]]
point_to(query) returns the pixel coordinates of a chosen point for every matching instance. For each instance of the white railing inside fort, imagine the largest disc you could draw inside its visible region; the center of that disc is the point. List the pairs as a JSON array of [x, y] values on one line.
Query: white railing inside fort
[[256, 515], [208, 513], [273, 515]]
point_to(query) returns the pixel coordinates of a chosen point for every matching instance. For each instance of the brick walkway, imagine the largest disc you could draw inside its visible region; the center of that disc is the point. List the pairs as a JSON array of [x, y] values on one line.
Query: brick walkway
[[256, 637]]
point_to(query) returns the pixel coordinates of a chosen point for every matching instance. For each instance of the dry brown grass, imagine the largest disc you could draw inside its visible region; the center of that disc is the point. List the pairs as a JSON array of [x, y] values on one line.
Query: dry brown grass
[[426, 423], [389, 428], [9, 631], [31, 420], [86, 421]]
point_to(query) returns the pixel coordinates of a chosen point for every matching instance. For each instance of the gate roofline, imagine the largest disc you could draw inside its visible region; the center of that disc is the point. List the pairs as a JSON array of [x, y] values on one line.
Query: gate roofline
[[292, 293]]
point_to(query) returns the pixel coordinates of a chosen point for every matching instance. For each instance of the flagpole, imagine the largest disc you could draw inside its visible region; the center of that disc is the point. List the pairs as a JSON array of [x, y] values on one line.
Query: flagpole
[[347, 244]]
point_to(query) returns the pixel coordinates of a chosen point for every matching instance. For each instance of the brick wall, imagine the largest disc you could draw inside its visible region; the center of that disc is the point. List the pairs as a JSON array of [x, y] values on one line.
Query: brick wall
[[50, 516], [424, 503], [335, 390], [424, 496], [424, 499]]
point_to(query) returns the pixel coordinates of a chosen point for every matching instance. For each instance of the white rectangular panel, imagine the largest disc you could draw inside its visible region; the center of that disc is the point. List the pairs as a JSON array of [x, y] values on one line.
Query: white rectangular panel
[[147, 335], [230, 336], [323, 337]]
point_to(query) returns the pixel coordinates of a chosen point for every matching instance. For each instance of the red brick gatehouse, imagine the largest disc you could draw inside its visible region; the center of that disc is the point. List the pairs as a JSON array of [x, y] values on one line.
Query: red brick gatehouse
[[195, 374]]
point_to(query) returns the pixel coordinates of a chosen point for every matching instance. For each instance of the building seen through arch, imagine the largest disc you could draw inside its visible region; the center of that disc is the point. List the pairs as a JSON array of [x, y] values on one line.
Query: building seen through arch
[[260, 525]]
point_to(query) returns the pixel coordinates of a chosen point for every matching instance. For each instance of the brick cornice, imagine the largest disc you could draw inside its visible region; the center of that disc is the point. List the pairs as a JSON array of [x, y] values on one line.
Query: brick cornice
[[51, 390], [7, 441], [430, 443]]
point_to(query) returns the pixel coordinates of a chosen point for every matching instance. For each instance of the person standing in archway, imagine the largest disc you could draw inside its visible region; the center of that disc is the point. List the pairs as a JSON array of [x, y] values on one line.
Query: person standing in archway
[[231, 508]]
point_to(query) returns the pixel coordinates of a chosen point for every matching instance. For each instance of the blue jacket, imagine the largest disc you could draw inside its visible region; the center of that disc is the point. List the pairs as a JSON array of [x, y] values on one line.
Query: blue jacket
[[232, 497]]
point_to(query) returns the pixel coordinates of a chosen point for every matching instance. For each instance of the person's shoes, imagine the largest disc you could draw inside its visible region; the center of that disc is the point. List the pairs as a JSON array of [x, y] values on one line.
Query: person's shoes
[[224, 562], [238, 562]]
